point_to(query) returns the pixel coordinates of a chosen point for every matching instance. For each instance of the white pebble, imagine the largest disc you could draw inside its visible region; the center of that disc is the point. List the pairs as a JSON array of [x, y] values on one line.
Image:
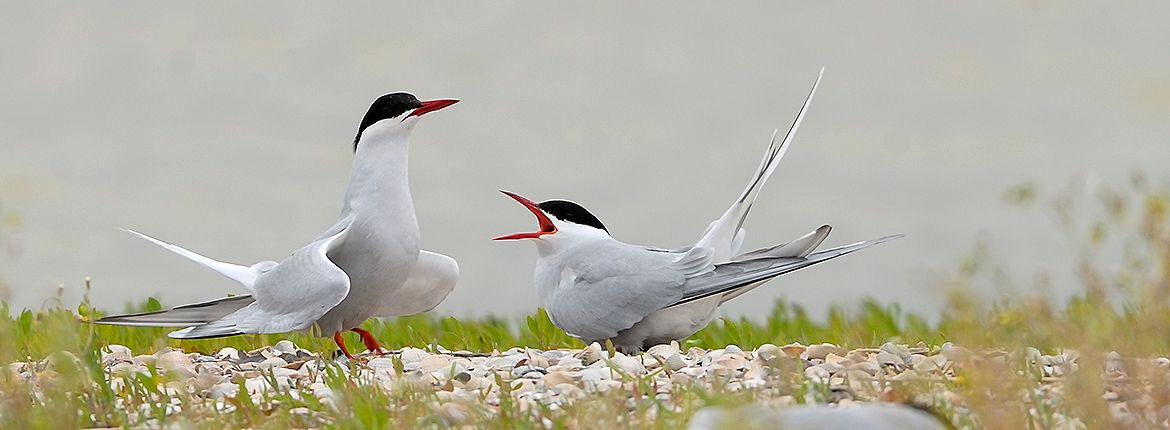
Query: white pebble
[[226, 389], [115, 352], [285, 346], [629, 364], [271, 362]]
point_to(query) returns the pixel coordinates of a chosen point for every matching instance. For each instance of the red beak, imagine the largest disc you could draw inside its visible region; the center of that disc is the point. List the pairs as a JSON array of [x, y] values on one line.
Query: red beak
[[432, 105], [546, 225]]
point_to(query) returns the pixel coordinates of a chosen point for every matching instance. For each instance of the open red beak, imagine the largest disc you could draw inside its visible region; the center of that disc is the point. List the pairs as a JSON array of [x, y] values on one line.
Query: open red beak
[[546, 225], [432, 105]]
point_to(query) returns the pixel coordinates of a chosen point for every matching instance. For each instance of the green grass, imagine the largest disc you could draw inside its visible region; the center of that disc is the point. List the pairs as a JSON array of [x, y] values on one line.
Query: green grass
[[1082, 324], [870, 324], [65, 334], [1123, 248]]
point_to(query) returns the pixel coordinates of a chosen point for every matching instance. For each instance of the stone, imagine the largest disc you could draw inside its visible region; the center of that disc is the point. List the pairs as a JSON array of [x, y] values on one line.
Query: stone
[[628, 364], [434, 363], [591, 354], [898, 350], [222, 390], [285, 346], [172, 360], [769, 351], [113, 353], [819, 352], [227, 353], [794, 350], [271, 363]]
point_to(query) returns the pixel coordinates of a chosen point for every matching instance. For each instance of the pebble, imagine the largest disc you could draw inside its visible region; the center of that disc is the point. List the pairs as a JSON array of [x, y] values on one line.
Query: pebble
[[675, 362], [664, 350], [629, 364], [115, 352], [900, 351], [228, 353], [412, 357], [591, 354], [435, 363], [172, 361], [817, 374], [381, 363], [819, 352], [596, 374], [285, 346], [226, 389], [886, 358], [769, 351], [555, 378], [794, 350]]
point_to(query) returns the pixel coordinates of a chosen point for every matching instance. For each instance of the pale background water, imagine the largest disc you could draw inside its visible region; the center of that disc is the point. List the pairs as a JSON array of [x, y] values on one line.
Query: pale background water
[[227, 128]]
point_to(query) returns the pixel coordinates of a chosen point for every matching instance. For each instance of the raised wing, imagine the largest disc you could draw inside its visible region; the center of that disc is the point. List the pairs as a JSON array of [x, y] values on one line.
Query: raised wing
[[614, 288], [290, 296]]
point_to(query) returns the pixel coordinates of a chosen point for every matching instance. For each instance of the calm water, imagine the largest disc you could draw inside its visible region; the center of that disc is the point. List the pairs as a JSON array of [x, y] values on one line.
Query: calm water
[[229, 132]]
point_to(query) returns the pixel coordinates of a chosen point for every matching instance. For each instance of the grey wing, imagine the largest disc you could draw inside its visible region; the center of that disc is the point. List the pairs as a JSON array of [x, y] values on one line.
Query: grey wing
[[729, 276], [291, 296], [182, 316], [596, 301], [431, 280], [801, 247], [798, 248]]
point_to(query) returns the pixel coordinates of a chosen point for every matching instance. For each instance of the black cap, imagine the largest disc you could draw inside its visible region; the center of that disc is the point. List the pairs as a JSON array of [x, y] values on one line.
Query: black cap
[[568, 211], [386, 107]]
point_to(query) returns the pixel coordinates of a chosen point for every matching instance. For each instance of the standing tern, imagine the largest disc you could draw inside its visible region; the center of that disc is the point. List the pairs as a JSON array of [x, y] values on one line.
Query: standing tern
[[720, 245], [367, 264]]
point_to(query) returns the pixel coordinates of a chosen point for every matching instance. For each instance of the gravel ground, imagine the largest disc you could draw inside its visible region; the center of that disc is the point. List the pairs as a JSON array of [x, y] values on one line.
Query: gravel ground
[[783, 376]]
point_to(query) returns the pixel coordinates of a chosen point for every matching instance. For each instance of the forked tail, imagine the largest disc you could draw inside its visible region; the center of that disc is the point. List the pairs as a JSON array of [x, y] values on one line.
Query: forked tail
[[724, 234]]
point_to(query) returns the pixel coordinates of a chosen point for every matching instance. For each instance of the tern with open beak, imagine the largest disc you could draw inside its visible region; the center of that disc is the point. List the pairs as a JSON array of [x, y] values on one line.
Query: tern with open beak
[[597, 288]]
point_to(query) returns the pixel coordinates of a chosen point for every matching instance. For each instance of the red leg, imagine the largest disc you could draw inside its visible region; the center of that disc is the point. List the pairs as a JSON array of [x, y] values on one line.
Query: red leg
[[371, 343], [341, 344]]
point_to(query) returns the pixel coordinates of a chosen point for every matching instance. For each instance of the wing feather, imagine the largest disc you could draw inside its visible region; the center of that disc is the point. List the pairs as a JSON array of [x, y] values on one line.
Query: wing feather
[[181, 316], [290, 296], [612, 289], [729, 276], [801, 247], [725, 235], [245, 275]]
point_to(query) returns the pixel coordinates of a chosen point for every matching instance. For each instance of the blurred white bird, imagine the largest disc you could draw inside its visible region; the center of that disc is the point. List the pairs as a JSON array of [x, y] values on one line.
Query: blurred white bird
[[367, 264]]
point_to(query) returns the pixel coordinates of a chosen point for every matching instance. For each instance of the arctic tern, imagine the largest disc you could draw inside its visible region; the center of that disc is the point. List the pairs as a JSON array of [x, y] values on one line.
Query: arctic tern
[[597, 288], [367, 264]]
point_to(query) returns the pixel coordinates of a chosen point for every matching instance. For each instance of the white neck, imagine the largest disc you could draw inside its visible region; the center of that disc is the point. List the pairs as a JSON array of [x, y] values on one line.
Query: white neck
[[568, 236], [379, 181]]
